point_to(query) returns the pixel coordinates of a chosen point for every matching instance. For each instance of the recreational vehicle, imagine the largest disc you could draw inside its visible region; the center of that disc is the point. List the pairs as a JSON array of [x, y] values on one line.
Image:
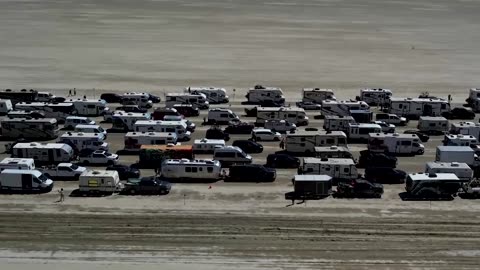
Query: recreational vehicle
[[317, 95], [184, 169], [72, 121], [434, 185], [342, 108], [432, 125], [126, 121], [304, 142], [413, 108], [394, 143], [340, 169], [80, 140], [99, 182], [337, 123], [178, 127], [59, 111], [17, 163], [207, 146], [459, 140], [42, 129], [25, 114], [134, 140], [461, 170], [5, 106], [24, 181], [362, 116], [360, 132], [91, 129], [463, 154], [221, 116], [23, 95], [140, 99], [466, 128], [45, 153], [89, 107], [260, 94], [214, 95], [197, 100], [473, 95], [293, 115], [190, 125], [333, 152], [374, 97]]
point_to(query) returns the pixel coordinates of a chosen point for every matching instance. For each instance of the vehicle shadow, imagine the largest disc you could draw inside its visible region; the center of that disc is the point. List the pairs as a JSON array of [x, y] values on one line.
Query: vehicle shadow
[[404, 196]]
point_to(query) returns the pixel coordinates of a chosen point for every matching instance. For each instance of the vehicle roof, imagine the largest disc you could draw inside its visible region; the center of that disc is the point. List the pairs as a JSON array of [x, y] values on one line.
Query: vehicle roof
[[167, 147], [344, 161], [432, 100], [184, 95], [17, 161], [86, 100], [365, 125], [99, 173], [266, 88], [209, 141], [347, 102], [300, 133], [44, 104], [435, 176], [261, 130], [349, 117], [31, 120], [160, 123], [87, 126], [433, 118], [77, 117], [228, 148], [17, 171], [150, 134], [42, 145], [393, 135], [131, 114], [455, 148], [465, 124], [81, 135], [450, 165], [312, 178], [280, 109], [205, 88], [333, 148], [316, 89], [460, 137], [191, 162]]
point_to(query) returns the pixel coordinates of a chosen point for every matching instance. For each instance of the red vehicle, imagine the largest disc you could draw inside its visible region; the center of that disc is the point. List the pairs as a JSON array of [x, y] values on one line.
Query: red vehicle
[[159, 113]]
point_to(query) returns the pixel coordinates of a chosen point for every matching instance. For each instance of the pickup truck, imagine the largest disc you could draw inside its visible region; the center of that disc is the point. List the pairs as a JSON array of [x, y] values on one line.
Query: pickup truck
[[64, 171], [146, 185], [358, 188]]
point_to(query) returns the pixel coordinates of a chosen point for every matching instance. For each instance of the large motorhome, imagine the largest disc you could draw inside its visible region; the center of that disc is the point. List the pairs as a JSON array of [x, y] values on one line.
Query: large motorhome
[[44, 153], [197, 100], [42, 129], [293, 115], [140, 99], [473, 95], [374, 97], [23, 95], [413, 108], [126, 121], [59, 111], [178, 127], [5, 106], [394, 143], [433, 185], [466, 128], [333, 152], [214, 95], [260, 94], [459, 140], [134, 140], [360, 132], [304, 142], [342, 108], [461, 170], [337, 123], [340, 169], [188, 170], [89, 107], [432, 125], [317, 95], [80, 140]]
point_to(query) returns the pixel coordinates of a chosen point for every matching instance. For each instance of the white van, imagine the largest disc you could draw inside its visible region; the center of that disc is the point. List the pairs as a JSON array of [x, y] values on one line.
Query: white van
[[24, 181], [190, 125], [281, 126], [229, 155], [91, 129], [72, 121], [206, 146], [221, 116], [140, 99], [100, 182], [17, 163], [5, 106]]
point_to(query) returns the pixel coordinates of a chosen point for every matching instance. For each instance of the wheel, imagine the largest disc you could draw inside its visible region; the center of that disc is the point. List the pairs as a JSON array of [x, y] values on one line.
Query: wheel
[[420, 152]]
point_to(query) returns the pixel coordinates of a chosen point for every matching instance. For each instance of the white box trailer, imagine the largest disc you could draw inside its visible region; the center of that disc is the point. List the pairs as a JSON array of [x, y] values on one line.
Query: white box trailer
[[45, 153], [99, 182], [178, 127], [463, 154], [260, 94], [375, 96], [433, 124], [340, 169], [342, 108], [413, 108], [395, 143], [304, 142], [337, 123], [215, 95], [187, 170], [333, 152], [317, 95], [312, 185], [460, 169], [466, 128], [459, 140], [24, 181], [17, 163], [293, 115]]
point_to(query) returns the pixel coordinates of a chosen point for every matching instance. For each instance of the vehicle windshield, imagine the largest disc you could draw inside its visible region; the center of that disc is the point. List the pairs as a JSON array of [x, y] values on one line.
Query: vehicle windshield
[[100, 129], [42, 177], [74, 167], [243, 153]]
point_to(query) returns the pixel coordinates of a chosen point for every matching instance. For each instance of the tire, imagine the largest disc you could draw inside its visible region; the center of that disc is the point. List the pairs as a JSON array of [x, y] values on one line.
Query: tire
[[109, 163], [420, 152]]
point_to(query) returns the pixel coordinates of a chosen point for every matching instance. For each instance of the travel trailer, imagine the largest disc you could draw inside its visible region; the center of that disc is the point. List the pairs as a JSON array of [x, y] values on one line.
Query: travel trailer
[[374, 97], [311, 187], [80, 140], [461, 170], [432, 125], [133, 140], [44, 153], [89, 107], [207, 146], [5, 106], [59, 111], [197, 100], [466, 128], [17, 163], [337, 123], [24, 181], [394, 143], [413, 108], [304, 142], [126, 121], [214, 95], [99, 182], [293, 115], [342, 108], [340, 169], [333, 152], [463, 154], [178, 127], [25, 114], [317, 95], [191, 170], [459, 140], [360, 132], [260, 94], [221, 116], [433, 185], [38, 129]]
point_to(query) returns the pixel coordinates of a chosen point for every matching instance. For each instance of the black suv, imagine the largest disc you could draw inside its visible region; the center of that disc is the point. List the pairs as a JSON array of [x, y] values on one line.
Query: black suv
[[368, 159], [132, 108], [239, 128], [459, 113], [248, 146], [385, 175], [124, 172], [216, 133], [146, 185], [282, 161], [111, 97], [251, 173]]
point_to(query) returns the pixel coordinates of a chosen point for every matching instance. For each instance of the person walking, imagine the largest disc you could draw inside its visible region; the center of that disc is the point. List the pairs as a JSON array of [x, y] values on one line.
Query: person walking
[[70, 92], [62, 196], [74, 91], [282, 143]]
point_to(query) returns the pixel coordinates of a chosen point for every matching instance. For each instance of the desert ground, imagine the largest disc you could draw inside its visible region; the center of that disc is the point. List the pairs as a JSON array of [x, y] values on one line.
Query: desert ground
[[163, 46]]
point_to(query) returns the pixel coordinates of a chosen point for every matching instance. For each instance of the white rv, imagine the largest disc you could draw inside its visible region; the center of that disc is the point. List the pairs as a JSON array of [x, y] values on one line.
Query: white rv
[[304, 142], [473, 95], [134, 140], [337, 123], [89, 107], [91, 129], [461, 170], [221, 116], [59, 111], [317, 95], [459, 140], [17, 163], [333, 152], [41, 129], [342, 108], [394, 143], [360, 132], [432, 125], [49, 153], [215, 95], [293, 115], [434, 185], [340, 169], [260, 94], [413, 108], [82, 140], [140, 99], [178, 127], [375, 97], [197, 100], [5, 106], [126, 121], [99, 182], [466, 128], [184, 169], [24, 181], [463, 154], [207, 146]]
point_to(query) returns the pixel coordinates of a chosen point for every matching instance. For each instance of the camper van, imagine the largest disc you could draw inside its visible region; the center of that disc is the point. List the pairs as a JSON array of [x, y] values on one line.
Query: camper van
[[342, 108], [140, 99], [133, 140], [333, 152], [394, 143], [461, 170], [207, 146], [337, 123], [197, 100], [82, 140], [432, 125], [221, 116], [293, 115], [459, 140], [360, 132], [229, 155], [45, 153], [178, 127], [24, 181], [374, 97], [190, 125], [340, 169], [126, 121], [5, 106], [89, 107], [260, 94], [433, 185], [45, 97], [304, 142], [215, 95], [466, 128], [317, 95], [99, 182], [188, 170], [38, 129], [91, 129], [17, 164], [413, 108]]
